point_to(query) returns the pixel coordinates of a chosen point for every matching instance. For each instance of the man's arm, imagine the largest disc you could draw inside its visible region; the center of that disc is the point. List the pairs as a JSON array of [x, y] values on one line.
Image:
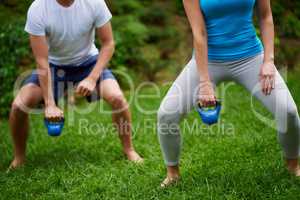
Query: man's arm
[[105, 36], [40, 50]]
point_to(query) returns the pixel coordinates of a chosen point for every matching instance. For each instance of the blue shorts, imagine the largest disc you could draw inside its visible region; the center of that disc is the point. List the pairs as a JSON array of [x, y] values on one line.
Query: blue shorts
[[68, 76]]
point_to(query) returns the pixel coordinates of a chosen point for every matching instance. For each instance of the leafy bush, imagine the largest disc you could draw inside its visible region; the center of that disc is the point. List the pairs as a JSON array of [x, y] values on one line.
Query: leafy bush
[[287, 17], [144, 37], [14, 47]]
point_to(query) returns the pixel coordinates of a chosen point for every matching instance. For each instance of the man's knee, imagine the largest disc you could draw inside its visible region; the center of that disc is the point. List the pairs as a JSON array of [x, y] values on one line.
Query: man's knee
[[22, 105], [118, 101], [18, 107]]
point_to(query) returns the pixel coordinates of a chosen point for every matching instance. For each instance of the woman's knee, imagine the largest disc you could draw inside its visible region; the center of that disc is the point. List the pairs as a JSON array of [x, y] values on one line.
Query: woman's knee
[[168, 117], [292, 111]]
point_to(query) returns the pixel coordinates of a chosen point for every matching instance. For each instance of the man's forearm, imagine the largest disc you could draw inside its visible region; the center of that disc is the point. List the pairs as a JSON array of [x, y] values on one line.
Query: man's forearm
[[104, 57], [46, 83]]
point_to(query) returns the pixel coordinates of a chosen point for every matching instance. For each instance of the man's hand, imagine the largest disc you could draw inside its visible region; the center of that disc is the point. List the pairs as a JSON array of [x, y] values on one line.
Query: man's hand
[[53, 113], [267, 77], [86, 87]]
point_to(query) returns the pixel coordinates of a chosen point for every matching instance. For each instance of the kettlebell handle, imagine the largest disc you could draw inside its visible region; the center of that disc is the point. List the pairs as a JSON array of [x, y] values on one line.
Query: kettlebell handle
[[53, 122], [218, 103]]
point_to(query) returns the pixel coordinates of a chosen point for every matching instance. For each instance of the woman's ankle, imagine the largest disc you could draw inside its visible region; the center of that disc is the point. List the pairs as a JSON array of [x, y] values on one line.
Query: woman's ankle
[[173, 171]]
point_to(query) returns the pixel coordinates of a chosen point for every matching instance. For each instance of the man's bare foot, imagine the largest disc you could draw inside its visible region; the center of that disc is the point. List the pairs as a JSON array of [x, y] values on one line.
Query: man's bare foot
[[293, 167], [133, 156], [295, 172], [16, 163]]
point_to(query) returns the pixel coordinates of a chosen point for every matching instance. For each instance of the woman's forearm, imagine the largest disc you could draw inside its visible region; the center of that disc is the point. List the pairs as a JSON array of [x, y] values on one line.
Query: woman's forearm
[[267, 31], [202, 59]]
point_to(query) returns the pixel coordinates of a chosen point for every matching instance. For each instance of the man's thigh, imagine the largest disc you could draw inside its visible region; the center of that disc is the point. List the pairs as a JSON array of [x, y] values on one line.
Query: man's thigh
[[109, 89], [29, 96]]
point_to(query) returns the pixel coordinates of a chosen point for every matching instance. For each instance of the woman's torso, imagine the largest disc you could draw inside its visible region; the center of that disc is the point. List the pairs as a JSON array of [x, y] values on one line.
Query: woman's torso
[[230, 29]]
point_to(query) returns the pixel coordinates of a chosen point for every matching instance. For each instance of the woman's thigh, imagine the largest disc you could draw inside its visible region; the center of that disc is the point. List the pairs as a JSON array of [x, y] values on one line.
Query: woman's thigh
[[183, 94], [279, 102]]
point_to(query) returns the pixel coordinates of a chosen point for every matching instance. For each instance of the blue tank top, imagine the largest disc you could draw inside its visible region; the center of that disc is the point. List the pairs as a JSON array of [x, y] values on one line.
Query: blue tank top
[[230, 30]]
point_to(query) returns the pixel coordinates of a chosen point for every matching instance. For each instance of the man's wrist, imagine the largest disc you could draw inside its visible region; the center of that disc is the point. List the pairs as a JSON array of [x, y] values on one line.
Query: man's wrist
[[50, 103], [95, 75]]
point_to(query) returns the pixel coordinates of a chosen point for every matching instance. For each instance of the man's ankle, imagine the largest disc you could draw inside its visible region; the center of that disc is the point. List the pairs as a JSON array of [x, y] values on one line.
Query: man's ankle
[[292, 164]]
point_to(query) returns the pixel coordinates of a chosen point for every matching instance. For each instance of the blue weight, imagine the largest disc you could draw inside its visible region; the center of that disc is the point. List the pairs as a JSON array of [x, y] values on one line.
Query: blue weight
[[210, 116], [54, 128]]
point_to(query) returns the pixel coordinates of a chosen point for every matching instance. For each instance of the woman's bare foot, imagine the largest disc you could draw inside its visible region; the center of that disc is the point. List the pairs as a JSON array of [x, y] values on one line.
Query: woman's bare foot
[[169, 181], [133, 156], [16, 163], [293, 167], [172, 177]]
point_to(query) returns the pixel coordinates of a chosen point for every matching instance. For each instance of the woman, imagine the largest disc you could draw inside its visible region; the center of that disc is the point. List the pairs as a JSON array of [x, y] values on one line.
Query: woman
[[226, 47]]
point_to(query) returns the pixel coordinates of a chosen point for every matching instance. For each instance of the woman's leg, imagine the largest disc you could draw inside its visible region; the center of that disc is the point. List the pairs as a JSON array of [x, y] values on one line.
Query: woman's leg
[[280, 103], [180, 99]]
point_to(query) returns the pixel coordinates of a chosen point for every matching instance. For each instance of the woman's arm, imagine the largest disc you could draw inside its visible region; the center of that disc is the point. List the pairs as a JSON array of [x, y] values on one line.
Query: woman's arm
[[196, 20], [267, 28], [267, 34]]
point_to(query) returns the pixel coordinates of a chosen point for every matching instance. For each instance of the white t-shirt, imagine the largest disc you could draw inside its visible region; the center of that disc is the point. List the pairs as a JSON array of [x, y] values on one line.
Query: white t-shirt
[[70, 31]]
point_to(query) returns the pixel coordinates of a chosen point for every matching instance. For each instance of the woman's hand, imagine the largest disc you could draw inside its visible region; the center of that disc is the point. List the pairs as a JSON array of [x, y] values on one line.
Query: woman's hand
[[267, 77], [206, 94]]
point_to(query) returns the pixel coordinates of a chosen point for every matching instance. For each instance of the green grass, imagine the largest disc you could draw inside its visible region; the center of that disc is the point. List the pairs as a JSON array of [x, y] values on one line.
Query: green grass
[[244, 165]]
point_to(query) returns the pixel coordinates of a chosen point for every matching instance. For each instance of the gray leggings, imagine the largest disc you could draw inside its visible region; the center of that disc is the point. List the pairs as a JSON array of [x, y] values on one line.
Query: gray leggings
[[182, 97]]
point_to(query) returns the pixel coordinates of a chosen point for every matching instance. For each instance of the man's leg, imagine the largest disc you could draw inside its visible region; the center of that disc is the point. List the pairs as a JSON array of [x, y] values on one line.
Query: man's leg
[[112, 94], [28, 97]]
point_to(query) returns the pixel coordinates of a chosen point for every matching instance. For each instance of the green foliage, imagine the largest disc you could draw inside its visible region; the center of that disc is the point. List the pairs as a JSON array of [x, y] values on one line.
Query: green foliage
[[14, 47], [287, 17], [19, 7], [144, 37]]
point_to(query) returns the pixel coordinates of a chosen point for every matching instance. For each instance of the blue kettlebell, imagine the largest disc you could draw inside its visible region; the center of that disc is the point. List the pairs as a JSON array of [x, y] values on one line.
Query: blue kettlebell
[[210, 116], [54, 128]]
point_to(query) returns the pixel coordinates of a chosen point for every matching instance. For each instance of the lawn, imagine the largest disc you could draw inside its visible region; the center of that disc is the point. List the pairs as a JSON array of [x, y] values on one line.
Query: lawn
[[239, 160]]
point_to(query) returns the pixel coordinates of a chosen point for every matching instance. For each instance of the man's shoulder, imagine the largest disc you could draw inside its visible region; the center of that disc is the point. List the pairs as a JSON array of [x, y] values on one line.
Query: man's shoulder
[[37, 5], [94, 3]]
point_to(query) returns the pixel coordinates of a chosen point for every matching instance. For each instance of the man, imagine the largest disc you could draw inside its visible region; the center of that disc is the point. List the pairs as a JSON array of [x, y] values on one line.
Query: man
[[62, 39]]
